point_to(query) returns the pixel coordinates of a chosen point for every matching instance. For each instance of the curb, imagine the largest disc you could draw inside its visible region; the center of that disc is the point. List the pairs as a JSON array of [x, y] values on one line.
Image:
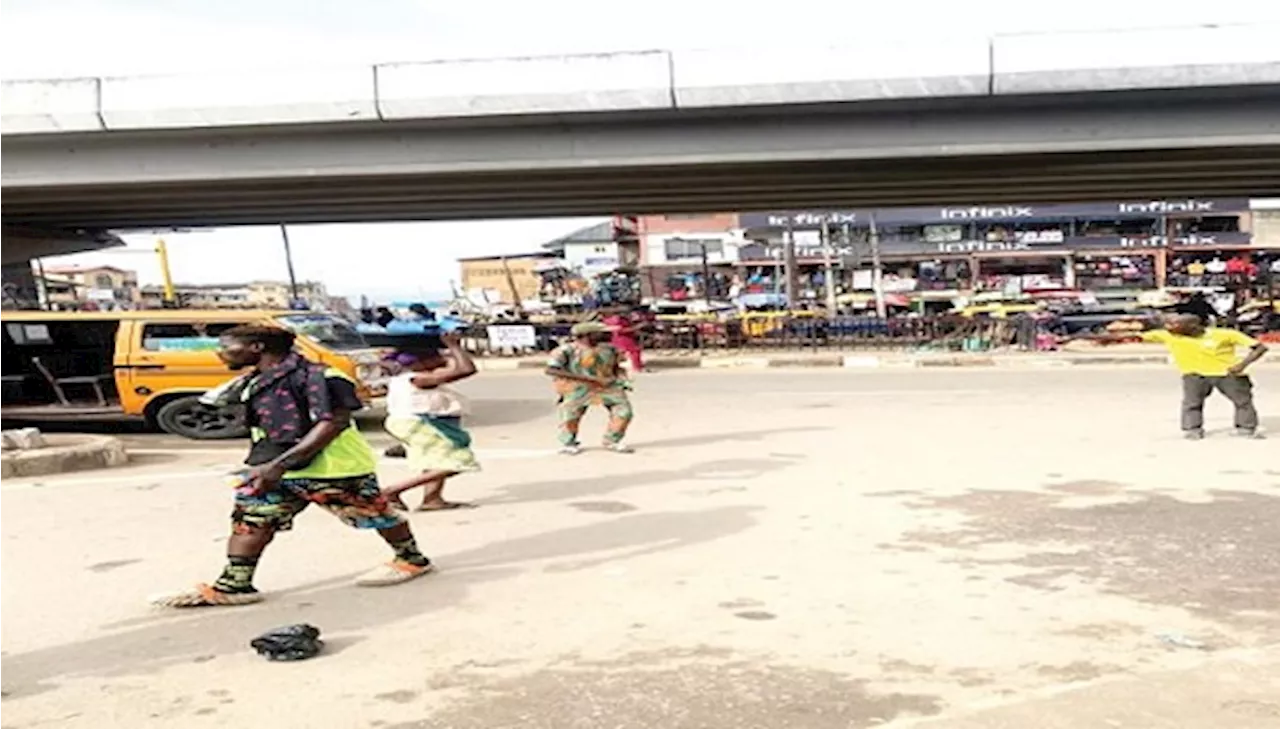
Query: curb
[[862, 361], [64, 453]]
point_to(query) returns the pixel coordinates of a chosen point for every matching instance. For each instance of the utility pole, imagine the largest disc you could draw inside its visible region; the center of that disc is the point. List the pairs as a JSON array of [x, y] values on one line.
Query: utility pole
[[288, 262], [706, 274], [826, 269], [789, 265], [877, 273], [166, 276], [511, 284]]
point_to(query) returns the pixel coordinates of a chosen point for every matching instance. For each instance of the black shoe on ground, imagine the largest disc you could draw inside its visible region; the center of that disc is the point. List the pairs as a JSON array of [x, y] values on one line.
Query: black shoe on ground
[[1193, 434]]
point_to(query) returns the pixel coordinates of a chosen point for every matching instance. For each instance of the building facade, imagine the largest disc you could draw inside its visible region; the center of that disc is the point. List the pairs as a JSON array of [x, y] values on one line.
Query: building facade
[[78, 287], [503, 279], [1113, 248], [252, 295]]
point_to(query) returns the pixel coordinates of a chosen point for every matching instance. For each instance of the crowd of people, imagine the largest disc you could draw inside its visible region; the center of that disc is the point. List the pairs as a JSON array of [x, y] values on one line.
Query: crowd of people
[[305, 447]]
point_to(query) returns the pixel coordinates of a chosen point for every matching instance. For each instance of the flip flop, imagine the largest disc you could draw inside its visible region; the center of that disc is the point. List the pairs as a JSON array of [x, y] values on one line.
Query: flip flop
[[203, 595], [447, 506], [393, 573]]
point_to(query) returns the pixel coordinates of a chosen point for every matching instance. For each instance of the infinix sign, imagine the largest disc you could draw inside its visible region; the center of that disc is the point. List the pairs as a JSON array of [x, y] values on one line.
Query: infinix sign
[[983, 246], [1163, 207], [1006, 212]]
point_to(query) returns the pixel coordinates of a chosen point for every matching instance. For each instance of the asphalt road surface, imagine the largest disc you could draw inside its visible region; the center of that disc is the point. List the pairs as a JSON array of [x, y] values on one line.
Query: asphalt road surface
[[802, 549]]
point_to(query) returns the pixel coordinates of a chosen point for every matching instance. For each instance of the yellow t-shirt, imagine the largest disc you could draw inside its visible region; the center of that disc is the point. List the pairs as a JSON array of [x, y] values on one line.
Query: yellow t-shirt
[[1209, 354]]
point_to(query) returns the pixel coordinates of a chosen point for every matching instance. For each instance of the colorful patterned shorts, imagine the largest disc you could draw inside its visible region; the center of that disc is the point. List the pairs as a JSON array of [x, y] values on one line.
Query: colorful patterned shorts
[[357, 501]]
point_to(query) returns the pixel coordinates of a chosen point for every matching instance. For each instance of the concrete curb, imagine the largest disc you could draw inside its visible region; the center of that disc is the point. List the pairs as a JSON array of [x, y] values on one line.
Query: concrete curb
[[868, 361], [64, 453]]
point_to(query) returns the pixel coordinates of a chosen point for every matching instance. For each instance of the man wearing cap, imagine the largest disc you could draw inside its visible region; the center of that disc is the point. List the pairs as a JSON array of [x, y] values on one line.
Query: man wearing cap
[[587, 371]]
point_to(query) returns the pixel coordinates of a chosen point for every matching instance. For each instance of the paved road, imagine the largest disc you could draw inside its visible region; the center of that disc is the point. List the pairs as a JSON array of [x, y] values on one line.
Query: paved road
[[787, 549]]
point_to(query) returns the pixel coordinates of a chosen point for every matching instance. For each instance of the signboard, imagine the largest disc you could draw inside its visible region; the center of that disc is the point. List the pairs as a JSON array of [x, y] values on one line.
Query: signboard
[[1033, 241], [813, 219], [512, 336]]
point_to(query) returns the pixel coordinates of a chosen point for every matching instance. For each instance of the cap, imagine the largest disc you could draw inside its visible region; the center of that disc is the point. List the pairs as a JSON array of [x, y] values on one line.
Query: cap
[[588, 327]]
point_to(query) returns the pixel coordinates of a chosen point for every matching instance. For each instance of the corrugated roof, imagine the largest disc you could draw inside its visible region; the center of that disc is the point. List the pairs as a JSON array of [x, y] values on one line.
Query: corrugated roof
[[598, 233]]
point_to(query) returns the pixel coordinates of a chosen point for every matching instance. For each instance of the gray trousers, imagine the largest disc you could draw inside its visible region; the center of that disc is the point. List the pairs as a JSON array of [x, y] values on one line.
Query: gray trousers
[[1236, 388]]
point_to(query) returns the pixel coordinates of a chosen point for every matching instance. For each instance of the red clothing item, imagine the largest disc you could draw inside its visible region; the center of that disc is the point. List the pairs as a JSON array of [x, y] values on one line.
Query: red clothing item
[[624, 339]]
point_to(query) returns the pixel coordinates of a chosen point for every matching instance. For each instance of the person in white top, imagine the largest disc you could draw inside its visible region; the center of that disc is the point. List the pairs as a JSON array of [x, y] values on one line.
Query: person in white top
[[425, 414]]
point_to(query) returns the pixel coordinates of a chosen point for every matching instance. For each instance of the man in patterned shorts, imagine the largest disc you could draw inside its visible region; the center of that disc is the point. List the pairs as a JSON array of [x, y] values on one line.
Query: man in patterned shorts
[[587, 371], [305, 450]]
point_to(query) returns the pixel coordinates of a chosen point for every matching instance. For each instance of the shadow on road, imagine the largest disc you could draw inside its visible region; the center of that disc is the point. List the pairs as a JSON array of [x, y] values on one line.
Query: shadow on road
[[570, 488], [150, 644], [736, 436]]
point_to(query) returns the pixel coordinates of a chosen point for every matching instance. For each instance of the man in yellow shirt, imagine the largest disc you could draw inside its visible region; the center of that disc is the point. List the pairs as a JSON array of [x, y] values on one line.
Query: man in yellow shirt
[[1208, 360]]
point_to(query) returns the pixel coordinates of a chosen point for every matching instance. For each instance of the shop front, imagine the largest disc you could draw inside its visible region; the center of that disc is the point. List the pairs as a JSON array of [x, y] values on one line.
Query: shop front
[[1107, 272], [1220, 261], [1019, 273]]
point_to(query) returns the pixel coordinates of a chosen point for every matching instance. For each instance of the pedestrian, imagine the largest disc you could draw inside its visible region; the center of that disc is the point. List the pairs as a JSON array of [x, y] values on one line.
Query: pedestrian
[[1200, 307], [425, 415], [586, 371], [625, 336], [305, 449], [1208, 360]]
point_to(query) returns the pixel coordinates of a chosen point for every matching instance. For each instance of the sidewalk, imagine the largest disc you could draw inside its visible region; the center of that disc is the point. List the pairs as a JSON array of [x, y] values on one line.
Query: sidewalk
[[1122, 354]]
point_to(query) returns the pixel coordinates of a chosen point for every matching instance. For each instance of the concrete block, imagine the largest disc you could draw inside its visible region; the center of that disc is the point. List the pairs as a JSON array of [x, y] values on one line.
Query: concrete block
[[23, 439], [860, 361], [59, 105], [858, 72], [512, 86], [63, 454], [1136, 59], [239, 98], [827, 360]]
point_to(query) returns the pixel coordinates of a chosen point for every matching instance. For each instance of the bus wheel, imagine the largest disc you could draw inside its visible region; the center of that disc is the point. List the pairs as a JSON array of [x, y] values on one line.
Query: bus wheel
[[189, 418]]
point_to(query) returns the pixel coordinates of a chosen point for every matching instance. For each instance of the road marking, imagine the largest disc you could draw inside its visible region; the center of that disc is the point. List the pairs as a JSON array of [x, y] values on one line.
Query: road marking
[[10, 484], [145, 476]]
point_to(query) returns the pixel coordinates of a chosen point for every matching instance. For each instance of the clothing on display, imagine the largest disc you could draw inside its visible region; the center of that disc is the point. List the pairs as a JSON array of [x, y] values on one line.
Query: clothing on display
[[1115, 272]]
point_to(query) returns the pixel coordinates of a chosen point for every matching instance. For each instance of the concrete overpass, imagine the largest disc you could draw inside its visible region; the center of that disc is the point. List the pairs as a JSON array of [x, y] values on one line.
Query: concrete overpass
[[1134, 114]]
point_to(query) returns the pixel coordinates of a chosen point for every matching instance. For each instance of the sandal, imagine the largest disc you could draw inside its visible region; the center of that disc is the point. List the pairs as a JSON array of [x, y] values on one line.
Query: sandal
[[394, 572], [203, 595], [446, 506]]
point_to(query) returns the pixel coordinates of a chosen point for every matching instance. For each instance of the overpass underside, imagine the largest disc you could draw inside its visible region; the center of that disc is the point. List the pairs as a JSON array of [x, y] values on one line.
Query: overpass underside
[[1062, 147]]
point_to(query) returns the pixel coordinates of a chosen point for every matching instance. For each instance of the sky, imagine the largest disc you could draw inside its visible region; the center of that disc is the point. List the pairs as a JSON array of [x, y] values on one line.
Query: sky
[[43, 39]]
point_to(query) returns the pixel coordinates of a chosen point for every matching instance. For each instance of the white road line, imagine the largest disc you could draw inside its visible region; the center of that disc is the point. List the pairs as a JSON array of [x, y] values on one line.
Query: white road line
[[100, 480], [108, 478]]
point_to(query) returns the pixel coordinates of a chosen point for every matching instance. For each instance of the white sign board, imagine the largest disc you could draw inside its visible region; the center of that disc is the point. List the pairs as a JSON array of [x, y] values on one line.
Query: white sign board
[[512, 336]]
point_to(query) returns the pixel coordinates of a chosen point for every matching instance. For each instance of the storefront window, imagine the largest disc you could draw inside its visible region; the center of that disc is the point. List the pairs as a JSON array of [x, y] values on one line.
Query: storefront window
[[1226, 269], [1016, 275], [1112, 228], [944, 275], [1030, 232], [1181, 227], [1100, 273], [684, 286]]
